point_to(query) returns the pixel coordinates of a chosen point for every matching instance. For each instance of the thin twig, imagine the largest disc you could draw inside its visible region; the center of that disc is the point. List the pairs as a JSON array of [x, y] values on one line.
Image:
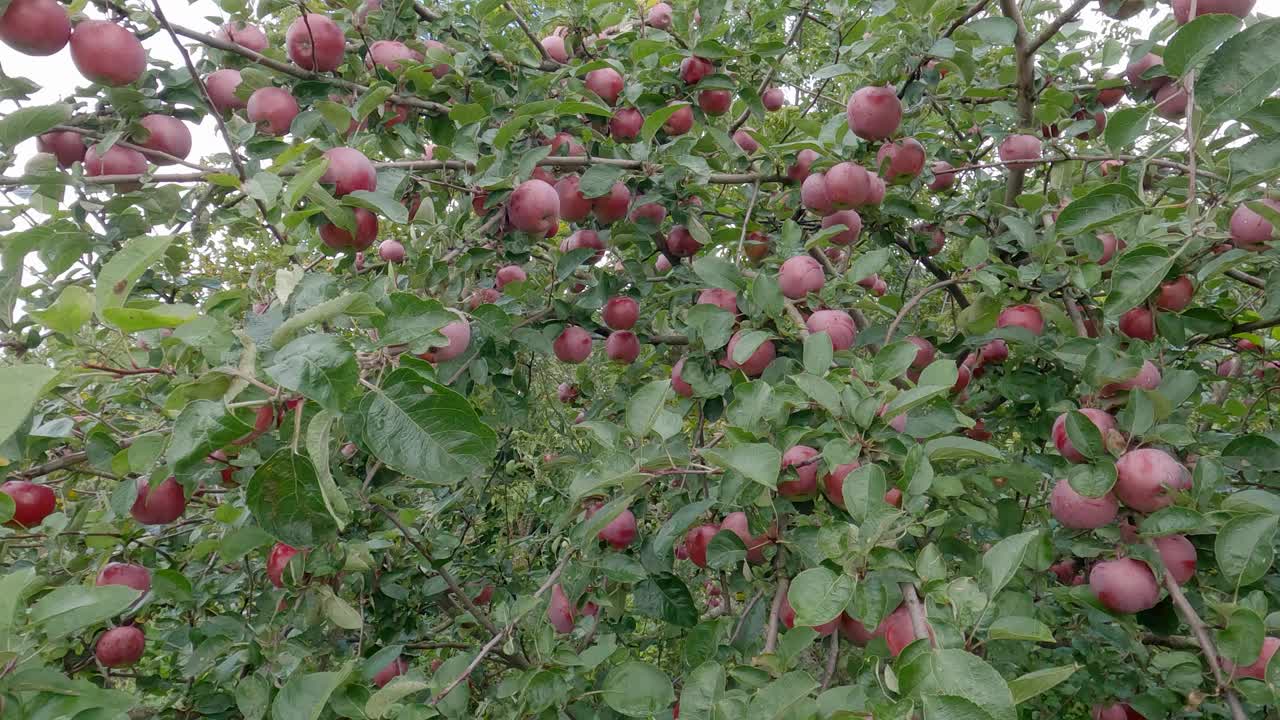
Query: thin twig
[[833, 661], [919, 625], [915, 300], [524, 27], [1056, 24], [773, 66], [746, 221]]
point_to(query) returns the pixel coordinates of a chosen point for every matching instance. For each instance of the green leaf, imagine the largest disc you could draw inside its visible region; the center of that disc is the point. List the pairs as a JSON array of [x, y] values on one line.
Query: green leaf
[[389, 207], [338, 611], [322, 368], [776, 700], [718, 273], [1137, 273], [72, 608], [149, 315], [1084, 435], [1196, 40], [13, 586], [702, 689], [253, 697], [893, 360], [1013, 627], [1039, 682], [658, 118], [758, 462], [674, 529], [645, 405], [960, 448], [118, 275], [1244, 548], [748, 344], [28, 122], [1242, 73], [956, 673], [7, 508], [285, 498], [1241, 640], [202, 427], [381, 702], [598, 180], [725, 551], [413, 321], [863, 490], [305, 695], [425, 430], [349, 304], [637, 689], [819, 595], [665, 597], [21, 386], [994, 30], [69, 312], [868, 264], [1001, 562], [1092, 480], [1100, 207], [318, 449], [1126, 125], [818, 353], [302, 183]]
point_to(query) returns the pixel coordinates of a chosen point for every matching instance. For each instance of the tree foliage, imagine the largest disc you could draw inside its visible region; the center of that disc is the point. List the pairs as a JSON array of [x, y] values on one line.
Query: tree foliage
[[712, 359]]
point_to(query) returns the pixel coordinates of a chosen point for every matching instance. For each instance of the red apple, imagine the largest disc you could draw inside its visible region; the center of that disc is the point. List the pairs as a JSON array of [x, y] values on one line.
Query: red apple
[[160, 505], [584, 239], [1100, 419], [773, 99], [1023, 316], [612, 207], [509, 274], [874, 112], [1251, 230], [850, 219], [277, 561], [120, 646], [107, 53], [366, 232], [837, 324], [605, 82], [272, 109], [849, 185], [573, 345], [650, 212], [756, 363], [1178, 555], [134, 576], [814, 194], [925, 352], [621, 531], [625, 124], [681, 243], [1148, 377], [1080, 512], [246, 35], [458, 334], [68, 147], [1175, 295], [394, 669], [726, 300], [166, 134], [715, 101], [622, 347], [559, 611], [1258, 668], [35, 27], [1171, 101], [943, 176], [554, 45], [696, 542], [799, 276], [222, 85], [659, 16], [899, 160], [1019, 150], [534, 208], [798, 171], [1139, 323], [32, 502], [746, 142], [573, 206], [694, 68], [805, 484], [680, 122], [391, 251], [1182, 8], [116, 161], [681, 388], [1125, 585], [349, 170], [1133, 73], [1146, 479], [440, 69], [314, 42]]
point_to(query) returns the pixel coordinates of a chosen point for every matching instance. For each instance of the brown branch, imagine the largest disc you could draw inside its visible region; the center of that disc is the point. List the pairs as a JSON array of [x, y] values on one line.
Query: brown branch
[[1052, 29], [915, 300], [1073, 309], [122, 372], [94, 135], [1207, 647], [502, 634], [833, 661], [64, 462], [937, 272], [524, 27], [742, 620], [1242, 327], [1247, 279], [919, 625], [775, 610]]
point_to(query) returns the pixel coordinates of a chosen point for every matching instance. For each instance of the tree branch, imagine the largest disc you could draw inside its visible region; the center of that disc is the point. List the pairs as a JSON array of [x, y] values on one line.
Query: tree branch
[[833, 661], [919, 625], [915, 300], [1067, 16], [775, 610], [1024, 59], [773, 67], [524, 27], [937, 272]]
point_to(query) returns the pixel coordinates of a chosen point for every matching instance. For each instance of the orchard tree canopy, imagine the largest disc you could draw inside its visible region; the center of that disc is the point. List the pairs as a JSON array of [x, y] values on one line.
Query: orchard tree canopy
[[710, 360]]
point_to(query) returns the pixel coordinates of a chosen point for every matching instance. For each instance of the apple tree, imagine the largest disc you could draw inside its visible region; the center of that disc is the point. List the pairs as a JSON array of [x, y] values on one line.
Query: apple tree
[[704, 360]]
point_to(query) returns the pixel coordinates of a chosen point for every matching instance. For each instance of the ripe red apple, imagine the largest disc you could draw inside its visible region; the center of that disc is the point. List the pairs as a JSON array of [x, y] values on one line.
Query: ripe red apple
[[366, 232], [390, 54], [1100, 419], [1080, 512], [650, 212], [1124, 585], [744, 140], [925, 352], [1133, 73], [936, 239], [534, 208], [854, 631], [726, 300], [850, 219], [773, 99], [117, 161], [659, 16], [573, 206], [898, 631], [166, 134], [1146, 479], [277, 561], [715, 101], [805, 484], [901, 159], [814, 194], [680, 122], [787, 615], [458, 334], [562, 143], [662, 265], [573, 345], [1023, 316], [849, 185], [35, 27], [1064, 570], [1229, 367], [625, 124], [584, 238], [1109, 97], [486, 592], [681, 243], [893, 497], [391, 251], [134, 576], [1110, 246], [160, 505], [621, 531], [696, 542], [440, 69], [394, 669], [554, 45], [694, 68], [1139, 323], [1248, 346], [246, 35], [874, 112], [605, 82], [1175, 295], [833, 483], [1148, 378], [756, 363], [1171, 101], [798, 171], [1182, 8], [120, 646], [1178, 555], [737, 523], [681, 388], [995, 352], [1250, 230], [273, 109], [107, 53], [68, 147], [1258, 668], [1115, 711], [222, 85], [757, 246], [799, 276], [349, 170], [559, 611], [837, 324], [32, 503], [612, 207], [622, 347], [314, 42], [566, 392], [943, 176], [1019, 150], [509, 274]]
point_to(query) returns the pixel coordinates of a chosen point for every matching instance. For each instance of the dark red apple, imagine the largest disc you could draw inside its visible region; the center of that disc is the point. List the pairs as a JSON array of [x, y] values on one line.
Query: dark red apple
[[273, 109], [107, 53], [349, 170], [134, 576], [160, 505], [32, 502], [874, 112], [314, 42], [120, 646], [35, 27]]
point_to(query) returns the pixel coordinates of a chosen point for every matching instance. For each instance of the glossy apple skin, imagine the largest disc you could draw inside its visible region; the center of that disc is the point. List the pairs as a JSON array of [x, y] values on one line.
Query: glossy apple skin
[[273, 109], [458, 335], [1125, 585], [874, 112], [68, 147], [1139, 324], [394, 669], [625, 124], [349, 170], [1146, 479], [805, 484], [1250, 230], [943, 176], [621, 313], [1178, 555], [339, 238], [534, 208], [560, 611], [681, 388], [35, 27], [622, 347], [277, 561], [715, 101], [573, 345], [696, 542], [754, 365], [799, 276], [605, 82], [1020, 150], [107, 54], [166, 134], [32, 502], [1080, 512], [621, 531], [120, 646], [134, 576], [160, 505], [246, 35], [314, 42], [118, 160], [680, 122], [222, 85]]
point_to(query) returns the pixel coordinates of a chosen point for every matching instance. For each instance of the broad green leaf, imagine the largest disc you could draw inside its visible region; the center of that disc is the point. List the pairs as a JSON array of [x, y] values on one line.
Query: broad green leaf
[[960, 448], [21, 386], [863, 490], [1013, 627], [350, 304], [1084, 435], [72, 608], [658, 118], [305, 695], [1241, 73], [338, 611], [425, 430], [1100, 207], [138, 316], [674, 529], [381, 702], [202, 427], [319, 449], [1196, 40], [819, 595], [13, 585], [391, 208], [758, 462], [413, 321], [818, 353], [645, 405], [776, 700], [1244, 548], [637, 689], [285, 498], [320, 367], [998, 31], [69, 312], [1039, 682], [23, 123], [302, 182], [117, 277], [951, 672], [1001, 562], [665, 597], [1136, 274], [598, 180], [702, 689]]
